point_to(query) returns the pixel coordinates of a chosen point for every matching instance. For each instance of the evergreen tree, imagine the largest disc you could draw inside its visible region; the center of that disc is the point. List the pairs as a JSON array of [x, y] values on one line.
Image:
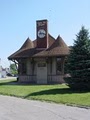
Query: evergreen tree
[[78, 63]]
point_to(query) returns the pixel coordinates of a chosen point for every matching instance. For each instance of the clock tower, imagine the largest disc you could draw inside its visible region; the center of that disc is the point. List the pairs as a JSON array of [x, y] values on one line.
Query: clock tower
[[42, 33]]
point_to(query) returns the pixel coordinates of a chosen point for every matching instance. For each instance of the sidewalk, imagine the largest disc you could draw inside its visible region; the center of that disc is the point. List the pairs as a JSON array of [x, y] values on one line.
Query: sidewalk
[[8, 78]]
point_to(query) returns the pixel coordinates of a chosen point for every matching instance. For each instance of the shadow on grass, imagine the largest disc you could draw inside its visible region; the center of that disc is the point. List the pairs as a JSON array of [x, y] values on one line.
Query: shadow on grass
[[6, 82], [44, 92], [15, 82], [55, 91]]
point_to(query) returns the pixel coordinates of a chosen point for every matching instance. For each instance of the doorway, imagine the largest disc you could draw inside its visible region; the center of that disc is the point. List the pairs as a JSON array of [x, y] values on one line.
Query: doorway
[[41, 73]]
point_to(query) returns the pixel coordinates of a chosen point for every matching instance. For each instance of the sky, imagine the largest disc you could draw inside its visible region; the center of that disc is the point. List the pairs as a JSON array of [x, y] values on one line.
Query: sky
[[18, 21]]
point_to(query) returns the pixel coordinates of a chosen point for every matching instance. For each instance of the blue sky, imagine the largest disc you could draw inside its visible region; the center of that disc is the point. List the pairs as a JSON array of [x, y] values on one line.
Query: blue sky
[[18, 21]]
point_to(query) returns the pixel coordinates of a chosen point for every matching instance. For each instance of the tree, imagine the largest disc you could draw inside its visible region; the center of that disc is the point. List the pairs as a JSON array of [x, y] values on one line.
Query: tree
[[13, 69], [78, 62]]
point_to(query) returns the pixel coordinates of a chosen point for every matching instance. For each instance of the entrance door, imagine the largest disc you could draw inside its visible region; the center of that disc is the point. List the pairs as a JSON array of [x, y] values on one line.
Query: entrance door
[[41, 73]]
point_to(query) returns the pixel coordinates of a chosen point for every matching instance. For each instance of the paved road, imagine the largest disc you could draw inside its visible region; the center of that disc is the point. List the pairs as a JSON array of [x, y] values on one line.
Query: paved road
[[12, 108]]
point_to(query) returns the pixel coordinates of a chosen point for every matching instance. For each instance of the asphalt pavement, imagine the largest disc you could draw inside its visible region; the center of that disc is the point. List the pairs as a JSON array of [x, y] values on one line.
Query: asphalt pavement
[[12, 108]]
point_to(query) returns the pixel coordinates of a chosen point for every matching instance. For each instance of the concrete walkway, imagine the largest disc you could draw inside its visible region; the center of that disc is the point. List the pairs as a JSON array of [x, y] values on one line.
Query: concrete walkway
[[12, 108], [8, 78]]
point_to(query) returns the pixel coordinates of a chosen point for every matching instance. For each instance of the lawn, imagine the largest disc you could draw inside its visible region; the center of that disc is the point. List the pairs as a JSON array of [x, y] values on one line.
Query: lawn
[[51, 93]]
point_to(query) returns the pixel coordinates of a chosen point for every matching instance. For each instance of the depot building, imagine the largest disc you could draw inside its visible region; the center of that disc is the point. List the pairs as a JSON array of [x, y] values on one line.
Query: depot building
[[41, 61]]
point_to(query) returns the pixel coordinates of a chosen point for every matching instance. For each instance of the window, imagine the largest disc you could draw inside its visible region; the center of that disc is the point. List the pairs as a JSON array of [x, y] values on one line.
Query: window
[[23, 67], [58, 65]]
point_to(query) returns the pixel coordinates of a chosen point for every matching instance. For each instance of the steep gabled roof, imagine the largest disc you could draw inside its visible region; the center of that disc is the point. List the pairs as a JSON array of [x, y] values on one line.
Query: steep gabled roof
[[59, 42], [56, 48], [51, 40], [27, 44], [59, 47]]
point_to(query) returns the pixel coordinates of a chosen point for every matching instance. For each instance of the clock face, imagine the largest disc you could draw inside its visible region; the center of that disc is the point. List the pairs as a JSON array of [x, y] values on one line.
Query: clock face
[[41, 33]]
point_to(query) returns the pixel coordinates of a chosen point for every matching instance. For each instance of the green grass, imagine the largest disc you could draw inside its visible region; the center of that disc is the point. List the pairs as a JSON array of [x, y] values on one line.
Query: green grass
[[52, 93]]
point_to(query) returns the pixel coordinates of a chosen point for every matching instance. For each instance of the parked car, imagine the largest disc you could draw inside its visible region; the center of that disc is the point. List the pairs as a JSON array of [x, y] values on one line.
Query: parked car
[[9, 74]]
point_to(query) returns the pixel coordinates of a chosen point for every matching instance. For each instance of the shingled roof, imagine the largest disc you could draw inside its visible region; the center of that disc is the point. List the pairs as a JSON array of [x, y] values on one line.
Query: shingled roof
[[56, 48], [27, 44]]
